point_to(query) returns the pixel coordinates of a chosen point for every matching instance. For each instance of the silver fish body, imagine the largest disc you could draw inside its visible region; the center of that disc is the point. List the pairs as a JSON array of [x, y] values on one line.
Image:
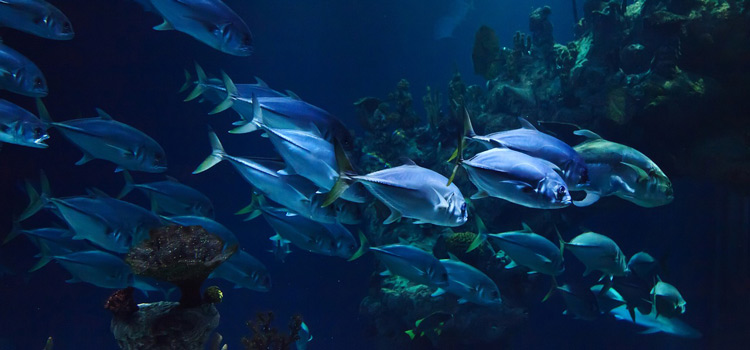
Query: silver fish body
[[412, 263], [172, 198], [245, 271], [517, 178], [598, 253], [313, 236], [21, 127], [470, 284], [19, 75], [657, 324], [36, 17], [668, 301], [99, 268], [531, 250]]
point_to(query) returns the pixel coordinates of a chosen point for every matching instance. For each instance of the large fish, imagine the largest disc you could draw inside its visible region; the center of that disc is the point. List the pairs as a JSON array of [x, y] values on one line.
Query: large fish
[[469, 284], [209, 21], [667, 300], [21, 127], [19, 75], [98, 268], [37, 17], [52, 242], [516, 177], [537, 144], [105, 138], [171, 197], [245, 271], [619, 170], [598, 253], [656, 324], [412, 263], [292, 191], [313, 236]]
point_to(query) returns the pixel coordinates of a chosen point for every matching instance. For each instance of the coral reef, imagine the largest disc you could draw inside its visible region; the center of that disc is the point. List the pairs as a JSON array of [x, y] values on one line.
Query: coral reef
[[121, 303], [266, 337]]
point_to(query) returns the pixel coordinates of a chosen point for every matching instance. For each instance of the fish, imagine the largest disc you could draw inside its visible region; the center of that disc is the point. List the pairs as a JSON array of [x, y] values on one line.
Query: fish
[[644, 266], [36, 17], [598, 253], [530, 141], [313, 236], [469, 284], [581, 303], [622, 171], [221, 231], [96, 267], [215, 89], [280, 249], [245, 271], [412, 263], [104, 138], [635, 291], [291, 191], [209, 21], [429, 325], [667, 300], [21, 127], [171, 197], [19, 75], [516, 177], [304, 337], [53, 241], [656, 324], [609, 300], [408, 191]]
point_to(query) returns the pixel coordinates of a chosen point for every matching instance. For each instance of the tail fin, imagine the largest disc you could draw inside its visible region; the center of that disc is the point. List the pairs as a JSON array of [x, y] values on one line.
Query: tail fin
[[199, 85], [552, 288], [468, 128], [248, 126], [364, 246], [231, 95], [129, 184], [36, 201], [344, 180], [481, 235], [14, 232], [216, 156], [43, 112], [188, 81], [253, 208]]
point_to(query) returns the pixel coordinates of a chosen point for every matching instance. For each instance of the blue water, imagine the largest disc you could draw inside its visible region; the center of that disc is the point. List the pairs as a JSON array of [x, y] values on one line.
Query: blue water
[[331, 53]]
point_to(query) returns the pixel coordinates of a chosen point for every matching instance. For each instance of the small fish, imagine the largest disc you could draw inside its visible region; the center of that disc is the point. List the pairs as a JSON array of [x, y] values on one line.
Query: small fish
[[412, 263], [105, 138], [667, 300], [215, 90], [580, 302], [53, 241], [171, 197], [537, 144], [36, 17], [429, 325], [304, 337], [21, 127], [280, 249], [656, 324], [609, 300], [227, 236], [98, 268], [635, 291], [209, 21], [19, 75], [245, 271], [469, 284], [644, 266], [598, 253], [619, 170]]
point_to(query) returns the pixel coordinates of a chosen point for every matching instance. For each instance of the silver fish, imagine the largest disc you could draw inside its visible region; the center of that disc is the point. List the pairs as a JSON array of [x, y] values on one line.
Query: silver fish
[[37, 17], [245, 271], [209, 21], [537, 144], [280, 249], [616, 169], [412, 263], [98, 268], [644, 266], [656, 324], [107, 139], [667, 300], [469, 284], [517, 178], [54, 241], [581, 303], [171, 197], [598, 253], [530, 250], [21, 127], [19, 75]]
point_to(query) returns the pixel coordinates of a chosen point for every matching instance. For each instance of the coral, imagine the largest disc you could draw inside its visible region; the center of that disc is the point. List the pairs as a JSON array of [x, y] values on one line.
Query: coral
[[266, 337], [213, 295], [486, 53], [121, 303], [541, 30], [184, 256]]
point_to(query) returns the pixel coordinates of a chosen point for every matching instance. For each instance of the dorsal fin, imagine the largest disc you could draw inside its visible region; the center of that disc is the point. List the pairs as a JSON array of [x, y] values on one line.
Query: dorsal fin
[[587, 134], [260, 82], [406, 161], [526, 124], [104, 115], [526, 227]]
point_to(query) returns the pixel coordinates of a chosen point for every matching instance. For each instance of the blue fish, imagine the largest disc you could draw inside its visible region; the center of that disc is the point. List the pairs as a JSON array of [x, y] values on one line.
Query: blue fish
[[280, 249], [656, 324], [52, 242], [21, 127], [245, 271], [209, 21], [108, 139], [469, 284], [304, 337], [412, 263], [98, 268], [581, 302], [598, 253], [171, 197], [37, 17], [19, 75], [215, 90]]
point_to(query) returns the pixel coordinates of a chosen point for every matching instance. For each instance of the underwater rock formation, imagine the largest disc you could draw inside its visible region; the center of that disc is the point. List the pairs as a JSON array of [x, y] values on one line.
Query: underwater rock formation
[[266, 337]]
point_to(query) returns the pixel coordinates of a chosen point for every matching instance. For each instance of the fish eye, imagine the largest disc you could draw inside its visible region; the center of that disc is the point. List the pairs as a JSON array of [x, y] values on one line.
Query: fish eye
[[246, 40], [463, 207], [38, 132], [67, 28], [560, 192], [584, 176], [444, 276], [38, 83]]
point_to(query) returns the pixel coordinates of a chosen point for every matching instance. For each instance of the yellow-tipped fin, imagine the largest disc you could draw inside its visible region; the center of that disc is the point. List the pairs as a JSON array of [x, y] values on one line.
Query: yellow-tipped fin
[[364, 246], [481, 235], [552, 288], [411, 334], [199, 85], [342, 183], [187, 83], [216, 156], [459, 159], [231, 95]]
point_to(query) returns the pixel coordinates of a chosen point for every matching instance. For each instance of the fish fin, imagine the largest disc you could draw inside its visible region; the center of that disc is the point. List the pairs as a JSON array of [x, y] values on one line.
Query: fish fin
[[480, 194], [231, 95], [187, 83], [43, 261], [395, 216], [442, 203], [587, 271], [216, 156], [438, 292], [543, 258], [411, 334], [164, 26], [532, 272], [42, 111], [526, 124], [364, 246], [590, 199], [386, 273], [261, 83], [344, 168], [619, 183], [552, 289], [85, 159], [154, 204], [511, 265], [244, 127], [407, 161], [526, 227], [36, 202], [14, 232], [651, 330], [199, 85], [292, 95], [462, 301], [587, 134], [631, 310], [104, 115], [129, 184], [458, 155], [642, 174], [478, 240]]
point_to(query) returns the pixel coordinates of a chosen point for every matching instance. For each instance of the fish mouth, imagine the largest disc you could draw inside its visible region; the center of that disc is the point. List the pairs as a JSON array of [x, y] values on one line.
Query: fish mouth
[[39, 143]]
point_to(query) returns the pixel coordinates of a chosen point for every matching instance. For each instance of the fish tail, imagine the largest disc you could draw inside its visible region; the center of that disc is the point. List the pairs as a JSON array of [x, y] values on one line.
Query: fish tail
[[43, 112], [199, 84], [253, 209], [14, 232], [468, 128], [481, 235], [216, 156], [552, 288], [247, 126], [410, 333], [345, 171], [231, 95], [36, 201], [129, 184], [458, 155], [188, 81], [364, 247]]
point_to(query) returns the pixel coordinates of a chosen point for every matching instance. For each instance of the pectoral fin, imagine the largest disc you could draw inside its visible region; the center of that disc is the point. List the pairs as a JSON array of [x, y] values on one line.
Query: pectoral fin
[[164, 26], [395, 216]]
